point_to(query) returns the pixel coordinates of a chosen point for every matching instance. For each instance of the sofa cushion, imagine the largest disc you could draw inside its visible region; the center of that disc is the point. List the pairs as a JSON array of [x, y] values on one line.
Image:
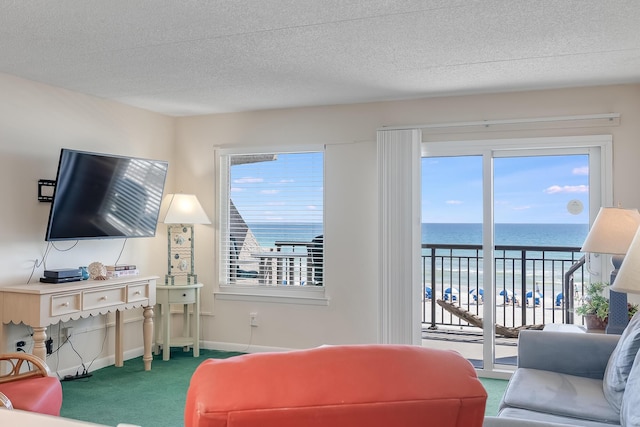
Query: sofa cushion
[[620, 363], [630, 412], [559, 394], [518, 417]]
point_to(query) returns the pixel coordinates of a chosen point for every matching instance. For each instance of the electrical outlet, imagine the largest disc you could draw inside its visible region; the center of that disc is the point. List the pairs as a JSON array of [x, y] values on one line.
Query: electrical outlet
[[20, 345], [253, 319]]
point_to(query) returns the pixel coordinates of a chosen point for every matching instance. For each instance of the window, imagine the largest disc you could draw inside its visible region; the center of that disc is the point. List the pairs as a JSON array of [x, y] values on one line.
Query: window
[[271, 230]]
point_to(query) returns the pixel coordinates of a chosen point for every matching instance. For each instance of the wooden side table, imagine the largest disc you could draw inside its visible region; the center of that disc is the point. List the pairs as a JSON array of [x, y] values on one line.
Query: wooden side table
[[187, 295]]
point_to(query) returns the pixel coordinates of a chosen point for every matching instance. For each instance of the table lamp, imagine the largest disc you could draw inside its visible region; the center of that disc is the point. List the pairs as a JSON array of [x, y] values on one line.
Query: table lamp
[[628, 278], [612, 233], [183, 212]]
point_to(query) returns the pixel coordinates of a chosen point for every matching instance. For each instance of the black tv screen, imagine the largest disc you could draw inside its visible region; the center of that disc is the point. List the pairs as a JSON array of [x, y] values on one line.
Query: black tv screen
[[102, 196]]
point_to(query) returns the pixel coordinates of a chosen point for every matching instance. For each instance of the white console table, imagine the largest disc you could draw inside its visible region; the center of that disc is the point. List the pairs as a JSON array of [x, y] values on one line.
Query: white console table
[[39, 305]]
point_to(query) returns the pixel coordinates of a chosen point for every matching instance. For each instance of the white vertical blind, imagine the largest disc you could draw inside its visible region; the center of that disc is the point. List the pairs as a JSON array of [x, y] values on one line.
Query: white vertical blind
[[399, 188]]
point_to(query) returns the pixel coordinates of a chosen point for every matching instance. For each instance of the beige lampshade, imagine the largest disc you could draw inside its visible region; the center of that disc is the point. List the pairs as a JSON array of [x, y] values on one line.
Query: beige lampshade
[[185, 209], [612, 231], [628, 277]]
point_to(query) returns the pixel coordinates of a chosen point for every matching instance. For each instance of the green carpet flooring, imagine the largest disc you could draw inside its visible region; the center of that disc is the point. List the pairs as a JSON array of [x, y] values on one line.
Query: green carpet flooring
[[156, 398]]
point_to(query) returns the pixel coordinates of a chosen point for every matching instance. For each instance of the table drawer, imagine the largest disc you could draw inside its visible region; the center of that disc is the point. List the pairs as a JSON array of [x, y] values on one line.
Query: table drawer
[[137, 292], [103, 298], [65, 304], [182, 296]]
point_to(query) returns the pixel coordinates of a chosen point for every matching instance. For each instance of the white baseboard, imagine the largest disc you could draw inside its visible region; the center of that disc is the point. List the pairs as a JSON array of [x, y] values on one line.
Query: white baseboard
[[137, 352], [242, 348]]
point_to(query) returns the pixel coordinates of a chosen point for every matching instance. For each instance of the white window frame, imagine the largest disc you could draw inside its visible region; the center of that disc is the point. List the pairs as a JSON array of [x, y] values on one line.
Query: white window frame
[[303, 295], [598, 147]]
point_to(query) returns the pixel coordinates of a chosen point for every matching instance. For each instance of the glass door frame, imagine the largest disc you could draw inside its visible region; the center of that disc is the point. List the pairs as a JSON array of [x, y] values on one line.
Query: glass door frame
[[597, 147]]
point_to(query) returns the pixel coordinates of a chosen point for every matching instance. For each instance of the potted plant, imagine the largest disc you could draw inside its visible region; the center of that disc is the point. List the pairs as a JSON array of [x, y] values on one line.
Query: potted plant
[[595, 306]]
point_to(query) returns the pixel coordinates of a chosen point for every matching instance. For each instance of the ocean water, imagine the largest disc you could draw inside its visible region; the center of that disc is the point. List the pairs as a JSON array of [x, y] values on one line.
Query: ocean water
[[269, 233], [563, 235]]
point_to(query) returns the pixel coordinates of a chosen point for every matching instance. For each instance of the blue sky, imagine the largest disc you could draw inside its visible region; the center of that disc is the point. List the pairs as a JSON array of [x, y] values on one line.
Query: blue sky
[[288, 189], [527, 189]]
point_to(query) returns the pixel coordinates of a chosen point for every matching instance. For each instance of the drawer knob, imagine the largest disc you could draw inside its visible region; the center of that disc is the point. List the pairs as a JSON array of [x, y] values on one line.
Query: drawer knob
[[184, 295], [64, 304], [103, 298], [137, 293]]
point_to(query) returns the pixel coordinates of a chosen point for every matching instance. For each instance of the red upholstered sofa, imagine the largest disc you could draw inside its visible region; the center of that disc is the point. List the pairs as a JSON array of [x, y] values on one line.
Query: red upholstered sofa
[[31, 390], [359, 385]]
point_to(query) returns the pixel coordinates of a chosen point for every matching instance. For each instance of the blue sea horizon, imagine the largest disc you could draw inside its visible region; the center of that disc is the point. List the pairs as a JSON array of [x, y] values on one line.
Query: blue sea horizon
[[562, 235]]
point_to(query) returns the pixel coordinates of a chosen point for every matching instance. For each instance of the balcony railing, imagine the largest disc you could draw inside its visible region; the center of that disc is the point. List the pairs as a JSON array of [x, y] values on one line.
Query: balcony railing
[[529, 286]]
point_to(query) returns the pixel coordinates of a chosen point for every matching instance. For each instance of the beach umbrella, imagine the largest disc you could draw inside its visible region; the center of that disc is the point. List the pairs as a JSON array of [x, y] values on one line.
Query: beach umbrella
[[451, 294], [536, 300], [559, 299], [508, 296], [427, 292], [474, 294]]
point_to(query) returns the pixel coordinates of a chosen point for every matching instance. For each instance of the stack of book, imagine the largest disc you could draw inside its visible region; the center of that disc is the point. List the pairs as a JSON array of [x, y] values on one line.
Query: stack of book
[[122, 270]]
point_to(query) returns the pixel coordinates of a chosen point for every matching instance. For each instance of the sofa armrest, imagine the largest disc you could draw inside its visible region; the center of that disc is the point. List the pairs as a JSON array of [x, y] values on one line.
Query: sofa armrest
[[581, 354]]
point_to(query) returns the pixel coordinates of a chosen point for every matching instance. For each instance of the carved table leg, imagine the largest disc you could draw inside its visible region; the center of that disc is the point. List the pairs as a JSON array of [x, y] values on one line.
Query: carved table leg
[[39, 337], [119, 345], [147, 333]]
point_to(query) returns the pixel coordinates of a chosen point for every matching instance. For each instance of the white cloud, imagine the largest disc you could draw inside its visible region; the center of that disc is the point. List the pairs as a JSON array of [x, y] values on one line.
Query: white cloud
[[521, 208], [454, 202], [269, 191], [583, 170], [555, 189], [248, 180]]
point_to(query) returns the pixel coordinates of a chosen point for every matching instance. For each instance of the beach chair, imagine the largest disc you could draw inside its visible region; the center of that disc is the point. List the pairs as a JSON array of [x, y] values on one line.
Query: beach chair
[[559, 299], [508, 296], [451, 294], [477, 293], [530, 300]]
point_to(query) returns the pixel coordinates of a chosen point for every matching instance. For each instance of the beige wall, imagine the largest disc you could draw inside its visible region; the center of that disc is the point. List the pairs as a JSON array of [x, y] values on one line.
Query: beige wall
[[351, 192], [37, 120]]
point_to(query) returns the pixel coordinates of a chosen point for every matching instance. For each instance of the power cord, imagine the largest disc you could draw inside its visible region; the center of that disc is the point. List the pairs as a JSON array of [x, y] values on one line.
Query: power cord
[[104, 340]]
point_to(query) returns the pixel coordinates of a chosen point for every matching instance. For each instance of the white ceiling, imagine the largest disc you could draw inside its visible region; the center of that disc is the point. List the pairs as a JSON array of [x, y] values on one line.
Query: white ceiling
[[190, 57]]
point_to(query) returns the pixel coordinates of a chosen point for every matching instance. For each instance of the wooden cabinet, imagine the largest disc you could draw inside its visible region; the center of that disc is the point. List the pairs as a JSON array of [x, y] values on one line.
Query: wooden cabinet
[[42, 304]]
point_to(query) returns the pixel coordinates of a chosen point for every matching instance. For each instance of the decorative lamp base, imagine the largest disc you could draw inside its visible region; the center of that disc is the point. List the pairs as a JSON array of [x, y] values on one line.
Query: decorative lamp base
[[169, 279]]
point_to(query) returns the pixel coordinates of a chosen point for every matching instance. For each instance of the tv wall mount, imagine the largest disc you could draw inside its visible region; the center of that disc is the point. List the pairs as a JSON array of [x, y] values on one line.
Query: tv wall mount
[[49, 184]]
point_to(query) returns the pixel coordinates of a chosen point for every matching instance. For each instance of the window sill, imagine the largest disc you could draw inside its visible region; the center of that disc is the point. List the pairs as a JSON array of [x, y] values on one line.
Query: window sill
[[303, 295]]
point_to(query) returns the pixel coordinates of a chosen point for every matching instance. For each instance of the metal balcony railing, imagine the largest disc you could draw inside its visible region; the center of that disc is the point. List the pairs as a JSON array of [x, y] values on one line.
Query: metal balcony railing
[[530, 286]]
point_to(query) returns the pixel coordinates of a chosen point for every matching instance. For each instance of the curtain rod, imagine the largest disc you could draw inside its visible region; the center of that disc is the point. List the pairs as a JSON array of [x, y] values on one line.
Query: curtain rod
[[486, 123]]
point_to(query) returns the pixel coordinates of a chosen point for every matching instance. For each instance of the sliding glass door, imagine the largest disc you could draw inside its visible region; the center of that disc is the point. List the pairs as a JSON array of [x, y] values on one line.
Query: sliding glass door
[[502, 221]]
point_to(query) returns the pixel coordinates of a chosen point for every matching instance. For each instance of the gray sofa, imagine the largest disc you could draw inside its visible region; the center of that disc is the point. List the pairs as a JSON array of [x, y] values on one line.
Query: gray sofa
[[575, 379]]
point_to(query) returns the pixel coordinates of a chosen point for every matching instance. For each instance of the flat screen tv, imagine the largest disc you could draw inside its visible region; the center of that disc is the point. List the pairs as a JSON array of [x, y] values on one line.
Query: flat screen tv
[[104, 196]]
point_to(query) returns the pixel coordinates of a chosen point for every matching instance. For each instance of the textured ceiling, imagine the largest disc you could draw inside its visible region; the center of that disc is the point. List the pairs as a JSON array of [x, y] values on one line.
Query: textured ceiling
[[194, 57]]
